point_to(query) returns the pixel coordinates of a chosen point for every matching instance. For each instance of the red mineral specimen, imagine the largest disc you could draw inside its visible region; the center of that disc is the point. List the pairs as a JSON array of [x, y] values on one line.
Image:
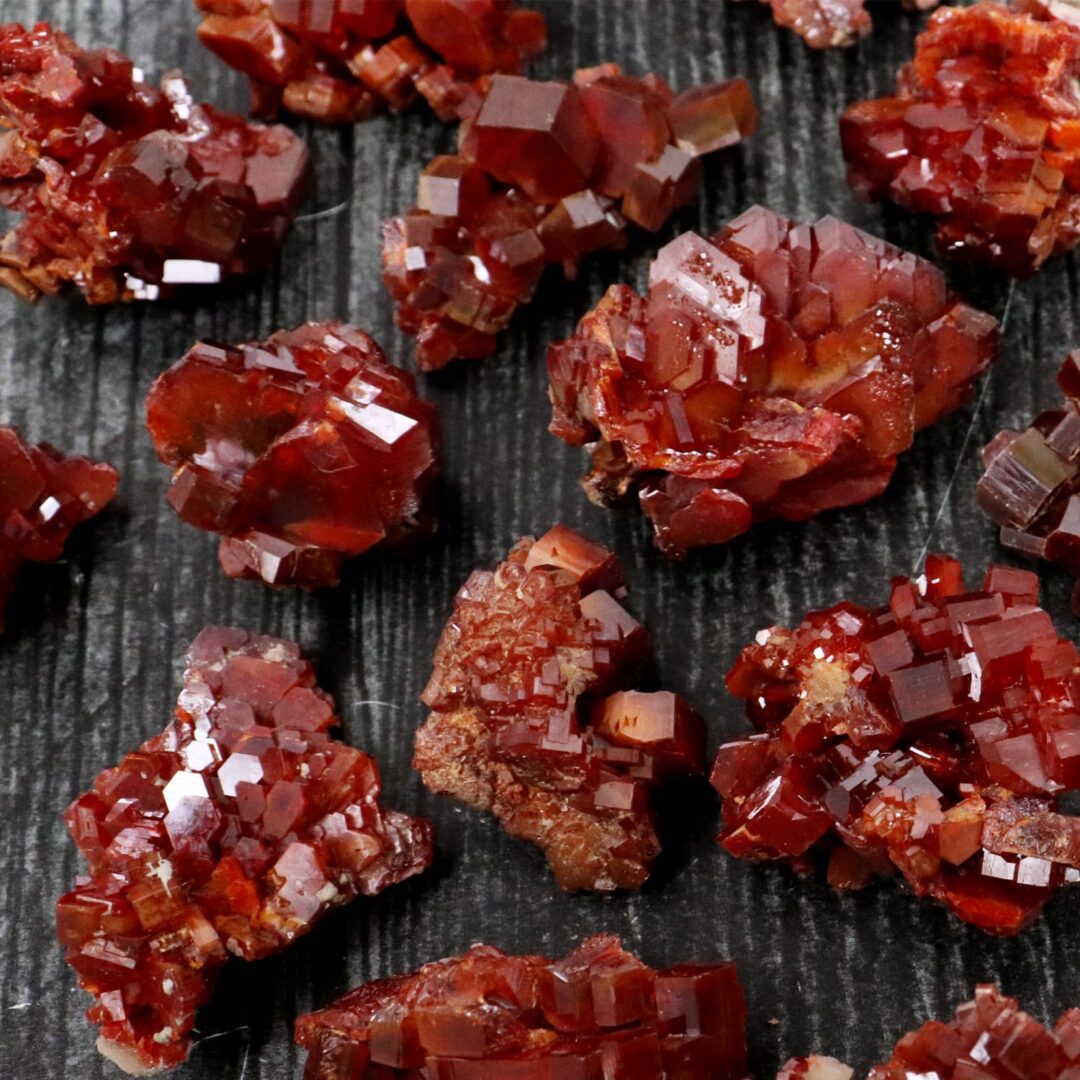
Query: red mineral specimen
[[302, 451], [983, 133], [531, 719], [774, 371], [340, 61], [931, 737], [825, 23], [1031, 486], [597, 1014], [126, 190], [43, 496], [234, 831], [546, 173]]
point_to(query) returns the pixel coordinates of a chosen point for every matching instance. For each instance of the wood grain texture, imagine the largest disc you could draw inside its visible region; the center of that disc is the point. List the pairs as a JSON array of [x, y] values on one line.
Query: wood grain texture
[[88, 668]]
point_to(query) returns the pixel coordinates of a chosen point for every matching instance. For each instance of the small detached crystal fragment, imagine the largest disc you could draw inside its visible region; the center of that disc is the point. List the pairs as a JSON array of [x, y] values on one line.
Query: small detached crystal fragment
[[340, 61], [775, 370], [127, 191], [825, 23], [1031, 486], [932, 738], [982, 134], [232, 832], [533, 719], [546, 173], [302, 451], [596, 1014], [43, 496]]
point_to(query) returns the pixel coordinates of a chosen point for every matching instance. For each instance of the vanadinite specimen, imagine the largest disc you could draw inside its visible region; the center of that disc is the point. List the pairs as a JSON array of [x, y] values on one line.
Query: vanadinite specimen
[[126, 190], [1031, 486], [597, 1014], [824, 23], [931, 737], [774, 371], [341, 61], [983, 133], [532, 719], [303, 451], [234, 831], [43, 496], [988, 1037], [546, 173]]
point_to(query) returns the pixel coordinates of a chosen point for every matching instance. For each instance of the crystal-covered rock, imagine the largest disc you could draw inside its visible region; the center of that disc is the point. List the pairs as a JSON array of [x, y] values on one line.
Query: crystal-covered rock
[[823, 24]]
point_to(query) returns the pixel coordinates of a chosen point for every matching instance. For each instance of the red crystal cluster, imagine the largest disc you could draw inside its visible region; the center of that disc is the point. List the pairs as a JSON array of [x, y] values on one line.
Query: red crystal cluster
[[932, 737], [125, 189], [546, 173], [1031, 486], [983, 133], [530, 719], [774, 371], [825, 23], [233, 831], [597, 1014], [315, 450], [341, 61], [43, 496]]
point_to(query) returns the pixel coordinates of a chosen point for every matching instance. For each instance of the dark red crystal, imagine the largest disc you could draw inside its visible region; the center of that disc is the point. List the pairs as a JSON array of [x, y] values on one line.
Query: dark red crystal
[[596, 1014], [546, 173], [531, 719], [232, 832], [931, 737], [1031, 486], [774, 371], [127, 190], [43, 496], [340, 61], [302, 451], [983, 133]]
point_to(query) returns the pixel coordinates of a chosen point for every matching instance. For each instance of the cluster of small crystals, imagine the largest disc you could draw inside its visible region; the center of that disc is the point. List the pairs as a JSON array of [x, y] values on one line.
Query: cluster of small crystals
[[983, 133], [340, 61], [774, 371], [931, 737], [531, 719], [546, 173], [1031, 486], [126, 190], [596, 1014], [825, 23], [234, 831], [316, 449], [43, 496]]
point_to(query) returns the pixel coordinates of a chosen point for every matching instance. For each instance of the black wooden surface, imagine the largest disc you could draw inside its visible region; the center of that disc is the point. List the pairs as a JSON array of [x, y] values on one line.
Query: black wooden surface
[[88, 667]]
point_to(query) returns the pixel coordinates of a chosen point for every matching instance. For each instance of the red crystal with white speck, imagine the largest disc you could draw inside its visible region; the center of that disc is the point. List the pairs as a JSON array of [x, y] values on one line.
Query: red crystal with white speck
[[43, 496], [532, 719], [930, 738], [232, 832], [546, 173], [340, 61], [302, 451], [125, 190], [823, 24], [775, 370], [983, 134], [596, 1013]]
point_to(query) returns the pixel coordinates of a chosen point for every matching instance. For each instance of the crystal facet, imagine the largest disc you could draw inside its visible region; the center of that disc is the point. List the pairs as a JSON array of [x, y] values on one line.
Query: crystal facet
[[932, 737], [43, 496], [340, 61], [546, 173], [774, 371], [531, 719], [126, 190], [982, 134], [596, 1014], [302, 451], [232, 832]]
